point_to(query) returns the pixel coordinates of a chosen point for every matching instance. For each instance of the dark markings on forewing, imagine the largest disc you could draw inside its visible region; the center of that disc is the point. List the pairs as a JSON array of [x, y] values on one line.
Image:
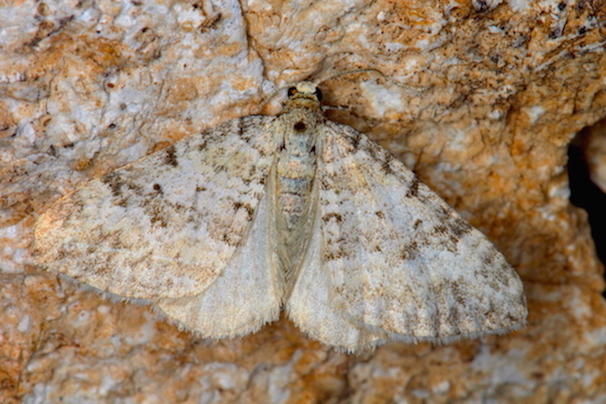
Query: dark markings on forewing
[[386, 162], [240, 125], [334, 250], [248, 179], [355, 140], [409, 250], [327, 217], [171, 156], [488, 260], [457, 293], [413, 189], [158, 189], [249, 209], [440, 230], [244, 126], [444, 214], [115, 184], [156, 217], [460, 228], [114, 239], [380, 214], [229, 240], [381, 156], [202, 145]]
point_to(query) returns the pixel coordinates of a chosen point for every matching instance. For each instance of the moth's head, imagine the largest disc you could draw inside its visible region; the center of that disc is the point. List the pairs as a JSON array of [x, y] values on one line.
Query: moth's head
[[305, 90]]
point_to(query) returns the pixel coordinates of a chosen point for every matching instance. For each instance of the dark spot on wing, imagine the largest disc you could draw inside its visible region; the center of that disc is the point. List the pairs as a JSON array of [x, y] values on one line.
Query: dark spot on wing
[[460, 228], [386, 165], [171, 157], [488, 259], [157, 220], [417, 223], [158, 189], [457, 293], [440, 230], [327, 217], [240, 128], [245, 206], [355, 140], [413, 189], [200, 188], [229, 240], [445, 214], [409, 250], [334, 250], [114, 183], [300, 126]]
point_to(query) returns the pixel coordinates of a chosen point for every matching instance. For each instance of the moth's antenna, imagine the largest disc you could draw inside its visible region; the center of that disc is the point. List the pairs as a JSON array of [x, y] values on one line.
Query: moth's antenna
[[271, 95], [332, 76]]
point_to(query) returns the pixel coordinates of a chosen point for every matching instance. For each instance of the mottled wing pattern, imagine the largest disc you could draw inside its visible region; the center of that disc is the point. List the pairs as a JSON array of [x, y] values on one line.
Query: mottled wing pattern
[[390, 260], [249, 291], [169, 224]]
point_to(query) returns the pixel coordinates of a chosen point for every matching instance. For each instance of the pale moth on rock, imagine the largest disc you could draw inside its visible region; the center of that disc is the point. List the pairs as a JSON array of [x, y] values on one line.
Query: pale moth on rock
[[223, 229]]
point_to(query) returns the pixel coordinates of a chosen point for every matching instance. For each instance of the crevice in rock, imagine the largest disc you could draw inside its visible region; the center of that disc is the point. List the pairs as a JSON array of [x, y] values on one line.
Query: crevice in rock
[[584, 193]]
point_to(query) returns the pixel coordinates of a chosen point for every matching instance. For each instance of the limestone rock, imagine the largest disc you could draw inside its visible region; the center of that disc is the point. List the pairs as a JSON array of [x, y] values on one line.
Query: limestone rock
[[480, 98]]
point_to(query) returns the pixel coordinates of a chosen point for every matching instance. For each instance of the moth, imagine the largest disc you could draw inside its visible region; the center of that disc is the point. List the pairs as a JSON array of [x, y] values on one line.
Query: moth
[[224, 229]]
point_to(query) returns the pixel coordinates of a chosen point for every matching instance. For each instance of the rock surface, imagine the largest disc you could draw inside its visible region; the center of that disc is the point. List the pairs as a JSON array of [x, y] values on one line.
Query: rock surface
[[479, 98]]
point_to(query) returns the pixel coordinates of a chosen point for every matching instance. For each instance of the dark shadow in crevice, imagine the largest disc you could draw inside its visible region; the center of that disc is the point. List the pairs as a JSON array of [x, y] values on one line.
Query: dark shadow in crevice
[[585, 194]]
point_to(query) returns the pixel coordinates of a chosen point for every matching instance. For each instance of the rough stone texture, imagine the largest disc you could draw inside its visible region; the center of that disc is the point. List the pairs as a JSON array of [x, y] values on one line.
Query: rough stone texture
[[481, 100], [593, 144]]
